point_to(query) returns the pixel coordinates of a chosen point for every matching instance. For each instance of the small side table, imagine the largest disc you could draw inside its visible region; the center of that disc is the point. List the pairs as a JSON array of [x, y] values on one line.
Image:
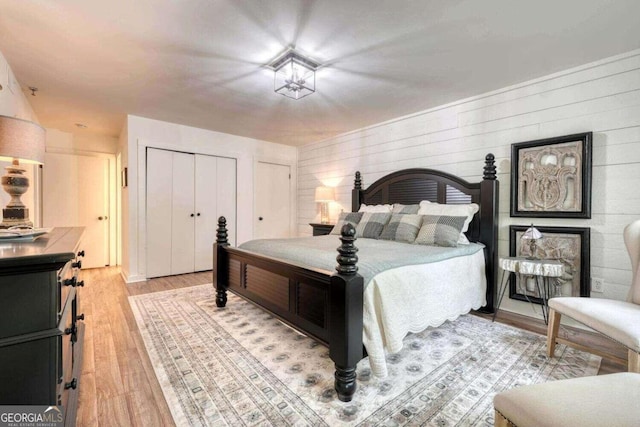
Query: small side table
[[321, 229], [542, 269]]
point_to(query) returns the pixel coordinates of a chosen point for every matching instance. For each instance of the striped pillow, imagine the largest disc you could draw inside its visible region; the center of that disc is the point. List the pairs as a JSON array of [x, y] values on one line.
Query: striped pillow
[[371, 224], [402, 227], [352, 218], [405, 209], [440, 230]]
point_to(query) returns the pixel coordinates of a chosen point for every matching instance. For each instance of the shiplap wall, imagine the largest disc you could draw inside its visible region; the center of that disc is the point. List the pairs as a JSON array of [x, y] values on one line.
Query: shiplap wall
[[603, 97]]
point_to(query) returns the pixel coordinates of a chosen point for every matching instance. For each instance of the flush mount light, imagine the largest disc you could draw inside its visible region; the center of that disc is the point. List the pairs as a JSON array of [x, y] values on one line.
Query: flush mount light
[[294, 75]]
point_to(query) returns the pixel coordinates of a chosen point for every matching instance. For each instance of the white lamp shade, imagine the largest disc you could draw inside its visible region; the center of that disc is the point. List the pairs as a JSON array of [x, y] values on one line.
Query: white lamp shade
[[532, 233], [325, 194], [22, 140]]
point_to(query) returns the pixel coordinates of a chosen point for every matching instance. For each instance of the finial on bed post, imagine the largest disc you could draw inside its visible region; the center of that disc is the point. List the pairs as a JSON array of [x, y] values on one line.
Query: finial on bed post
[[347, 257], [220, 274], [345, 317], [489, 167], [357, 184], [356, 193]]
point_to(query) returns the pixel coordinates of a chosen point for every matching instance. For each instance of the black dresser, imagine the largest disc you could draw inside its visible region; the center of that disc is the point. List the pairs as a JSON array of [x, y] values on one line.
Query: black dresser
[[41, 325]]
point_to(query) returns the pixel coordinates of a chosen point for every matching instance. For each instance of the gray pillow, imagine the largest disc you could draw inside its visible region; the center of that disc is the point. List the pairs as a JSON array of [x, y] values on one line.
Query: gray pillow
[[352, 218], [371, 224], [405, 209], [440, 230], [402, 227]]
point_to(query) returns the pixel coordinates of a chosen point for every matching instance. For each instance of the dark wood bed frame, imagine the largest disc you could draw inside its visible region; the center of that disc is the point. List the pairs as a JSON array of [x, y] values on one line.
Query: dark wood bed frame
[[328, 306]]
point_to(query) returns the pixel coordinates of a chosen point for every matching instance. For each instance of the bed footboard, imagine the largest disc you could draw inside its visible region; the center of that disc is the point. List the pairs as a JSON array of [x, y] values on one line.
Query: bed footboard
[[325, 306]]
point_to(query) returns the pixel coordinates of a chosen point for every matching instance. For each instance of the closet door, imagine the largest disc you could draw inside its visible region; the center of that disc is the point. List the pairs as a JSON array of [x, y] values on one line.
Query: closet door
[[206, 209], [226, 195], [183, 214], [159, 211]]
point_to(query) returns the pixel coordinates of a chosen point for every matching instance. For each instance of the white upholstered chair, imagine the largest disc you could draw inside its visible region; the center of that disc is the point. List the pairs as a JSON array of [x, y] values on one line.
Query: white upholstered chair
[[598, 401], [618, 320]]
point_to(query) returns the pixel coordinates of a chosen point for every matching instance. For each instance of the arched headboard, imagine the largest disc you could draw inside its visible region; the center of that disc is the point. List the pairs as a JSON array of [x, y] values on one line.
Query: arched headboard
[[411, 186]]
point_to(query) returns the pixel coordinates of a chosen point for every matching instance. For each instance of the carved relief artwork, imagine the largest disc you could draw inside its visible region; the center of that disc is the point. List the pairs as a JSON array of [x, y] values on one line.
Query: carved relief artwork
[[569, 245], [549, 178], [552, 177]]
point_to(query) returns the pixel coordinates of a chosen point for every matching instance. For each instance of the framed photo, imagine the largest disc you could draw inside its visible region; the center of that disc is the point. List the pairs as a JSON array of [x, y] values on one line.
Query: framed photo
[[551, 177], [570, 245]]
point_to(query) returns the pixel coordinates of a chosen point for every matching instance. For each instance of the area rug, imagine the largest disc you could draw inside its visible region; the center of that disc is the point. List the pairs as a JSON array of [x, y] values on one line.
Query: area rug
[[240, 366]]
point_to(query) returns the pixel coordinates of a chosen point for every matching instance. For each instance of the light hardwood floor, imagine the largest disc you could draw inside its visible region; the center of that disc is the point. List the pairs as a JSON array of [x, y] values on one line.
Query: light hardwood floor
[[118, 385]]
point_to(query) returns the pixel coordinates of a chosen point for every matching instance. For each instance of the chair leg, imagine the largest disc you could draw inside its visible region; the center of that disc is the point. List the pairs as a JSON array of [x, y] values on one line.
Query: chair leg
[[633, 364], [500, 421], [552, 331]]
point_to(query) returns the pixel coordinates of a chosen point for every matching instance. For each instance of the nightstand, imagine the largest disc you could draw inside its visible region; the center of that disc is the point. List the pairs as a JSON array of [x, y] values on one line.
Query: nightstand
[[543, 270], [321, 229]]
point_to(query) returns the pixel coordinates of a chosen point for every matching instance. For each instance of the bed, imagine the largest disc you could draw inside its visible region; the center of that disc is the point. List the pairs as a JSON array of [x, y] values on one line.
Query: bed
[[328, 304]]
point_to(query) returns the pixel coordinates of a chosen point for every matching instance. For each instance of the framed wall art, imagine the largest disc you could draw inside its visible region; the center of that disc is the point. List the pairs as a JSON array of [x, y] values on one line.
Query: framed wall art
[[552, 177], [569, 245]]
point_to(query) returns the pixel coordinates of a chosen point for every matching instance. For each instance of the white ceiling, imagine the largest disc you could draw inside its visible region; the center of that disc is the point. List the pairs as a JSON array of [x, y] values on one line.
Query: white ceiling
[[201, 62]]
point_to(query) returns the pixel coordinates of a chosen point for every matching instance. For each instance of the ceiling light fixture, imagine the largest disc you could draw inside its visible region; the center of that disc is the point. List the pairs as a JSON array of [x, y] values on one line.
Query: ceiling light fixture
[[294, 75]]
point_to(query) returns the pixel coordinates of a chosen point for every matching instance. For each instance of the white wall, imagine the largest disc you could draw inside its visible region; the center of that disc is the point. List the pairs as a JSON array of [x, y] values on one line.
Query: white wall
[[14, 103], [142, 133], [602, 97]]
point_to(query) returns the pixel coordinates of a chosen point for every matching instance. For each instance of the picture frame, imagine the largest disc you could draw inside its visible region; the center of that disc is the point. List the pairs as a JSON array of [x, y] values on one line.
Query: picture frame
[[570, 245], [551, 178]]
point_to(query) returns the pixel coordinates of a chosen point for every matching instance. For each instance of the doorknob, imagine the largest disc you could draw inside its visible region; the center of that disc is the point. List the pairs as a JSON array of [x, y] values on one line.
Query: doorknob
[[259, 218], [100, 218]]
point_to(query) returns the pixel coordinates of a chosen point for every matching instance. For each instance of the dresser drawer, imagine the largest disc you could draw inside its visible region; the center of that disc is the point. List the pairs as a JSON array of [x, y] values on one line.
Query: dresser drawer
[[68, 278], [29, 370], [29, 303]]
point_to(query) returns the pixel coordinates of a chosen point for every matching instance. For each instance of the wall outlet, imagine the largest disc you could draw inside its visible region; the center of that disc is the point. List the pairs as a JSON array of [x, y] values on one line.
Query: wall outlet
[[597, 284]]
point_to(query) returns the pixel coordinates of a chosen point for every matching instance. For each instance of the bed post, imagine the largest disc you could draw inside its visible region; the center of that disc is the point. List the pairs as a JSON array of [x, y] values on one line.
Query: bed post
[[355, 193], [345, 319], [220, 270], [489, 230]]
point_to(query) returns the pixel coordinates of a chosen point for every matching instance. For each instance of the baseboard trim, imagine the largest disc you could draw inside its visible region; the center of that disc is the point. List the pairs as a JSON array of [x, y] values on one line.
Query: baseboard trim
[[569, 335]]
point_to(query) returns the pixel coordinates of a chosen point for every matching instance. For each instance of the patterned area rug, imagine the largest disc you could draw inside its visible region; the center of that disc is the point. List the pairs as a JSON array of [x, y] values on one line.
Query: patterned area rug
[[240, 366]]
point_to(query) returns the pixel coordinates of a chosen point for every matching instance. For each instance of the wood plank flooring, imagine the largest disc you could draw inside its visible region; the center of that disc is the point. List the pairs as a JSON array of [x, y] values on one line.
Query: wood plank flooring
[[118, 385]]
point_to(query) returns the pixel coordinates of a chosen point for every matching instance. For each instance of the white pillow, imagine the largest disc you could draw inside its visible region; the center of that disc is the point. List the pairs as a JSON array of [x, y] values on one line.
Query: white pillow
[[470, 209], [375, 208]]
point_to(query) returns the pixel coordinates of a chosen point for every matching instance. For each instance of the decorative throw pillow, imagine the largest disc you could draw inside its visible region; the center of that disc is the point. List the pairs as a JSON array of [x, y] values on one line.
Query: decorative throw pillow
[[440, 230], [402, 227], [375, 208], [352, 218], [399, 208], [468, 210], [371, 224]]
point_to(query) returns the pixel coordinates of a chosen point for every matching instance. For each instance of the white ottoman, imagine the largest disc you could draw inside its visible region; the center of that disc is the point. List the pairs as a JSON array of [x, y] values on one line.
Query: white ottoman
[[606, 400]]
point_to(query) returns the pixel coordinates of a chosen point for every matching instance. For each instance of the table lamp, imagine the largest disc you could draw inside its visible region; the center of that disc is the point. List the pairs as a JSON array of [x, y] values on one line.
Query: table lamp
[[532, 234], [21, 141], [324, 195]]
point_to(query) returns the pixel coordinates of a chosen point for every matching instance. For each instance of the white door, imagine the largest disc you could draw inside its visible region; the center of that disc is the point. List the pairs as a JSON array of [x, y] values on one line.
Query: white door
[[215, 195], [273, 201], [183, 214], [75, 192], [206, 207], [159, 210]]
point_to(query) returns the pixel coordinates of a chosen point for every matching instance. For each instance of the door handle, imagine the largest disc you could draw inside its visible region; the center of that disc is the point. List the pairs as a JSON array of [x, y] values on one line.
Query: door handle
[[100, 218], [259, 218]]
